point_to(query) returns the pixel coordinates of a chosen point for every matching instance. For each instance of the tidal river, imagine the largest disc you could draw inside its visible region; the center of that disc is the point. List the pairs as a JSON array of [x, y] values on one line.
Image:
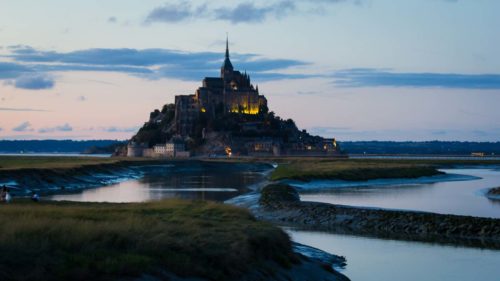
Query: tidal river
[[186, 180], [367, 258], [460, 192]]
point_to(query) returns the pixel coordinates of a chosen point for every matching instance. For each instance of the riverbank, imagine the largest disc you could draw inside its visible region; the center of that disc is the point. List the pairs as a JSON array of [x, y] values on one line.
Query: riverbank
[[311, 168], [163, 240], [17, 162], [50, 175], [280, 204], [351, 170], [73, 177]]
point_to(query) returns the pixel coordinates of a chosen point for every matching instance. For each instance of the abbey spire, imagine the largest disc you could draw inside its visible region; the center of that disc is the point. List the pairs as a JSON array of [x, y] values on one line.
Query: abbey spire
[[227, 48], [227, 67]]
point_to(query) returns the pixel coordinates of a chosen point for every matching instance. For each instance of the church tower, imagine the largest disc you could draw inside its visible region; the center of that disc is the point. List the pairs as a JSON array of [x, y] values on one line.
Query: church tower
[[226, 70]]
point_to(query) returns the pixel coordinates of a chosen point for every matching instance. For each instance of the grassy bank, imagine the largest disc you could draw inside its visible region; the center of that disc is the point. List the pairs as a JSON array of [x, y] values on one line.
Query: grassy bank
[[91, 241], [346, 169], [51, 162]]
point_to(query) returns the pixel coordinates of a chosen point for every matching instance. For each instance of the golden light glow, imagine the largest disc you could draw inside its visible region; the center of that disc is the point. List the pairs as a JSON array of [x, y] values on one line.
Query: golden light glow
[[228, 151], [203, 109], [245, 110]]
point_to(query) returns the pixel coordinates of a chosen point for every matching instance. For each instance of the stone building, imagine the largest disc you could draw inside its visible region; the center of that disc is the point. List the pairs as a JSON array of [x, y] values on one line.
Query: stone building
[[225, 115], [232, 92]]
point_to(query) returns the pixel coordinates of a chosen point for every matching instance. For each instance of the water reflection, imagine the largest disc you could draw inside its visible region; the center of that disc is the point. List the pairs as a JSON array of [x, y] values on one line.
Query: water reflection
[[185, 180], [377, 259], [451, 197]]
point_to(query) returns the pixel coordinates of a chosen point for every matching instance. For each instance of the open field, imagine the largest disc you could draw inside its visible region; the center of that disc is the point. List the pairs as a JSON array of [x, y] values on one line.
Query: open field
[[92, 241], [350, 170], [51, 162], [306, 168]]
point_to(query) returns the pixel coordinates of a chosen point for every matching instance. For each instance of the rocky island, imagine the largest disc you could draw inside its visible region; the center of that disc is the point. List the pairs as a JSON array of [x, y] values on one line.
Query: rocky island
[[227, 115]]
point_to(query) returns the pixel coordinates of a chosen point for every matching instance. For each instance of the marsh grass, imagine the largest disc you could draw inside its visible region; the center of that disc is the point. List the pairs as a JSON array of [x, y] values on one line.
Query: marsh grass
[[351, 169], [51, 162], [101, 241]]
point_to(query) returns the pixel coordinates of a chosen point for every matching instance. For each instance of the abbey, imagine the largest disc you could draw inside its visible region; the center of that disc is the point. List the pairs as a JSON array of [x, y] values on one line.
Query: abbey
[[225, 116], [232, 92]]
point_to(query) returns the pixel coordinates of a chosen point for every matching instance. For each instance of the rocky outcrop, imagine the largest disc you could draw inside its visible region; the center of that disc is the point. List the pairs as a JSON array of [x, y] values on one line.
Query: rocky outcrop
[[493, 193], [403, 225]]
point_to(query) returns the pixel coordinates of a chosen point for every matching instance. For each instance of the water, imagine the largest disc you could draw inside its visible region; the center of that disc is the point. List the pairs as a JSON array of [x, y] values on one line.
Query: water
[[56, 154], [367, 258], [377, 259], [445, 197], [186, 180], [424, 157]]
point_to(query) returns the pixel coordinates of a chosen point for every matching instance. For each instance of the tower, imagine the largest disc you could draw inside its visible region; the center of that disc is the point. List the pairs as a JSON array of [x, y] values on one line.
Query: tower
[[226, 70]]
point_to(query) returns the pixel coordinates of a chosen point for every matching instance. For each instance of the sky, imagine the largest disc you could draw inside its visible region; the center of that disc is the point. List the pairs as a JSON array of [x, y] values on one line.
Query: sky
[[350, 69]]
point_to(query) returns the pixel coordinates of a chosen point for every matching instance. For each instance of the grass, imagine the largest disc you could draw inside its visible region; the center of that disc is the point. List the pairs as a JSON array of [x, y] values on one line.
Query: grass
[[65, 162], [51, 162], [307, 168], [101, 241], [350, 169], [277, 193]]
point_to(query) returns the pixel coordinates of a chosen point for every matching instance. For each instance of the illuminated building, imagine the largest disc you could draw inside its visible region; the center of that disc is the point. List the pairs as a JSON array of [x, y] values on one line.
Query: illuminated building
[[232, 92]]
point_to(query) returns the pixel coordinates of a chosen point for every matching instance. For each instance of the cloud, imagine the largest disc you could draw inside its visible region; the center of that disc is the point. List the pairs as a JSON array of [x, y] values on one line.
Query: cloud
[[63, 128], [112, 19], [150, 63], [243, 12], [114, 129], [21, 109], [248, 12], [170, 13], [81, 98], [406, 134], [1, 129], [23, 127], [114, 57], [378, 78], [34, 81], [12, 70], [31, 68]]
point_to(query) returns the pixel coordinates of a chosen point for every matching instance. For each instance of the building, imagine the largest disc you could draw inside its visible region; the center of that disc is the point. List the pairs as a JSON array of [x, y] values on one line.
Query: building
[[173, 149], [232, 92], [160, 149], [135, 149], [225, 115]]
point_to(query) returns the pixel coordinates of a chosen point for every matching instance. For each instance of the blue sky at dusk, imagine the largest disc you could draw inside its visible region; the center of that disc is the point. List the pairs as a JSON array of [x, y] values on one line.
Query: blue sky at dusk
[[354, 70]]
